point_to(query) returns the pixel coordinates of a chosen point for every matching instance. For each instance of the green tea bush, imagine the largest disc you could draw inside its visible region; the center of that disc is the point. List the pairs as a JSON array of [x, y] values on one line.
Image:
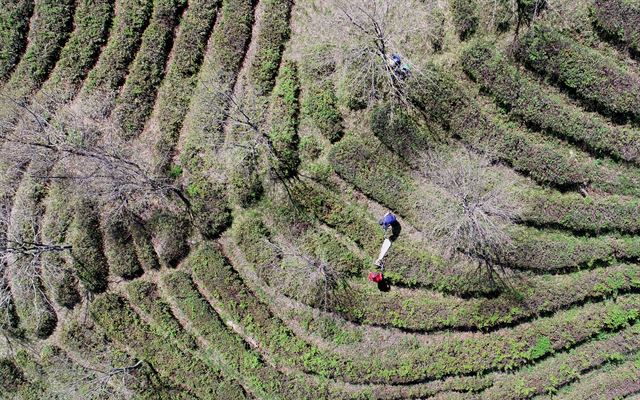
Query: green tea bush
[[144, 247], [124, 41], [147, 296], [170, 232], [66, 291], [528, 100], [619, 20], [504, 15], [55, 225], [584, 214], [199, 157], [9, 320], [441, 100], [52, 25], [14, 25], [175, 93], [147, 70], [379, 175], [564, 368], [529, 9], [284, 111], [503, 350], [120, 250], [34, 310], [271, 41], [399, 130], [11, 376], [92, 22], [598, 79], [210, 207], [245, 179], [617, 381], [465, 17], [320, 105], [115, 315], [89, 261]]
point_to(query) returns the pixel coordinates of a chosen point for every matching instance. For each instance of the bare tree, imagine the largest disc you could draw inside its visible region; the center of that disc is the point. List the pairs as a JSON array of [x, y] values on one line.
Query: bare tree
[[476, 210], [526, 12], [359, 37], [310, 279], [89, 153], [89, 382], [248, 150]]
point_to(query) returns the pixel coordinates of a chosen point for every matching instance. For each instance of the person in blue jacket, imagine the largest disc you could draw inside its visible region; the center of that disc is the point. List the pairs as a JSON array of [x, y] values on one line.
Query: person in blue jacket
[[387, 220], [390, 221]]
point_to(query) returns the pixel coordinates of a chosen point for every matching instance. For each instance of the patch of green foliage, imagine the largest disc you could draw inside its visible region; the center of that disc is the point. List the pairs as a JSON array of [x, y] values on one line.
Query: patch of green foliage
[[146, 295], [66, 291]]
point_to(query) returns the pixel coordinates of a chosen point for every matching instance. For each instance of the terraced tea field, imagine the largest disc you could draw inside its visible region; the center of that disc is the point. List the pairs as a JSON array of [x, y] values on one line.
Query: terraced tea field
[[190, 195]]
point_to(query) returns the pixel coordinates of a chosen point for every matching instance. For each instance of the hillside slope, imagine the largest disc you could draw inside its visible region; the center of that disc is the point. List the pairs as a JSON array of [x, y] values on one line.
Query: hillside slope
[[190, 193]]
